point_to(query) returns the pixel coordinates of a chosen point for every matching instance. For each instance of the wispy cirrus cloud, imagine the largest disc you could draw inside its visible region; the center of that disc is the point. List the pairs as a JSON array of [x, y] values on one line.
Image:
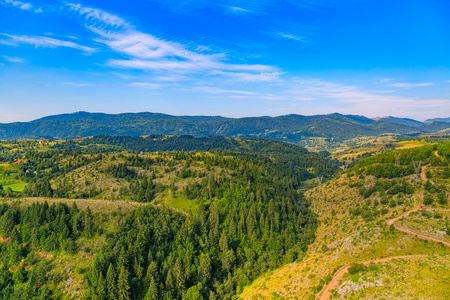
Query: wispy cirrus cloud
[[409, 85], [82, 84], [146, 85], [97, 17], [256, 6], [234, 5], [21, 5], [290, 37], [145, 51], [238, 9], [42, 41], [356, 100], [214, 90], [243, 76], [13, 59]]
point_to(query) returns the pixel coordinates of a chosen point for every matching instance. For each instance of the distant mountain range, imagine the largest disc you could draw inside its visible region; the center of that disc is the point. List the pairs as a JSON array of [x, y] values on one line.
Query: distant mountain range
[[401, 121], [290, 128], [438, 120]]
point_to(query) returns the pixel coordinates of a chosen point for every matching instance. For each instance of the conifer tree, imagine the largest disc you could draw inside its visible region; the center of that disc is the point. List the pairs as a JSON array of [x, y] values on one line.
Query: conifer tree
[[111, 283], [152, 292], [102, 289], [122, 285]]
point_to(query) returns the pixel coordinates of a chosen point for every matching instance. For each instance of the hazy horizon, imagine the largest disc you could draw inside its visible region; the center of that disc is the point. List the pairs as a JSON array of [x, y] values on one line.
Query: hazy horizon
[[203, 115]]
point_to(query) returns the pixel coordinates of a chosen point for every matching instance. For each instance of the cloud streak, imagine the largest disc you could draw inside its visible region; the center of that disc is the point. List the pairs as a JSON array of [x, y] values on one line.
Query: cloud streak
[[213, 90], [76, 84], [290, 37], [356, 100], [19, 4], [147, 52], [408, 85], [146, 85], [42, 41], [12, 59]]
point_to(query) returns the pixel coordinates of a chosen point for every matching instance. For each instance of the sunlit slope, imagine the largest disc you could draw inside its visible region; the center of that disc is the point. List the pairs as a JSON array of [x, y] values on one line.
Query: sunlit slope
[[352, 211]]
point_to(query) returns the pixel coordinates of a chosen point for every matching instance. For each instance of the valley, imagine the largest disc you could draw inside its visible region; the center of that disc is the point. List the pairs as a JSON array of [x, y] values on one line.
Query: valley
[[154, 225], [240, 218], [224, 150]]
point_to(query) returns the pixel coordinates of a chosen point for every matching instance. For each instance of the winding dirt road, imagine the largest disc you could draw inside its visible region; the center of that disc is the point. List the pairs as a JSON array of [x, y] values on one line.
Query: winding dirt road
[[421, 236], [326, 291]]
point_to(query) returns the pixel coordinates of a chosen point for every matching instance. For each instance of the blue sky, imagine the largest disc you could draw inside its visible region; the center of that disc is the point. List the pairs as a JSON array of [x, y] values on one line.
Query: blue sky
[[227, 57]]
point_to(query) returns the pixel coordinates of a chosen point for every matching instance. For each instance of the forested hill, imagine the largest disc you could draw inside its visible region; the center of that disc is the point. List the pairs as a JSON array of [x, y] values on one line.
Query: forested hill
[[215, 221], [292, 157], [291, 128]]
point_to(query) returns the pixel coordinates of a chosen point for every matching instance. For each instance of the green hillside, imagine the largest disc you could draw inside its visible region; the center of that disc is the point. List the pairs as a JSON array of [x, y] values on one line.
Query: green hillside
[[195, 223], [221, 218]]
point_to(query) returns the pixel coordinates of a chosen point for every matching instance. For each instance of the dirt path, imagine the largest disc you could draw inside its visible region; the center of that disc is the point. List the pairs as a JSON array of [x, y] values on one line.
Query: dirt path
[[421, 236], [392, 221], [437, 155], [326, 292], [423, 174], [2, 239]]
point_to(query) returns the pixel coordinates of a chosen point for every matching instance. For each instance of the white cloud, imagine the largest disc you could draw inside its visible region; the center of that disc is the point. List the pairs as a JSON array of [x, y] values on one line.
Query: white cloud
[[352, 99], [238, 9], [411, 85], [251, 77], [98, 17], [213, 90], [12, 59], [19, 4], [147, 85], [42, 41], [76, 84], [148, 52], [291, 37]]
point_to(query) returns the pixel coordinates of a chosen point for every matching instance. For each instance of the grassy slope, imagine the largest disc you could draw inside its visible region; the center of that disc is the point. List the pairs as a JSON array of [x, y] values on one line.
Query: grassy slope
[[167, 172], [350, 239], [379, 145]]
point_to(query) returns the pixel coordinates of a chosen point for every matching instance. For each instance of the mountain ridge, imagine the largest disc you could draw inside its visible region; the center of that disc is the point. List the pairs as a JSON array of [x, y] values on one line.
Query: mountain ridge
[[292, 128]]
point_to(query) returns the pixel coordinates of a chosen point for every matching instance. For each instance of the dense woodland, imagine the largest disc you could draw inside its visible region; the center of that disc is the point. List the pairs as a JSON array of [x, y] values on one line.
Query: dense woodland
[[38, 227], [249, 217], [40, 169], [247, 213]]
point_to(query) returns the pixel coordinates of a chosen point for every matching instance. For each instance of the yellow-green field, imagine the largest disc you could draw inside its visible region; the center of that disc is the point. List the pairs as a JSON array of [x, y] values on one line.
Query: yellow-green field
[[15, 187], [380, 147]]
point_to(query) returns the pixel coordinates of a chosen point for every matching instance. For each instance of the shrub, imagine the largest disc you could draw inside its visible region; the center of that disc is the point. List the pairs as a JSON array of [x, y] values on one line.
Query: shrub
[[356, 268], [427, 199]]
